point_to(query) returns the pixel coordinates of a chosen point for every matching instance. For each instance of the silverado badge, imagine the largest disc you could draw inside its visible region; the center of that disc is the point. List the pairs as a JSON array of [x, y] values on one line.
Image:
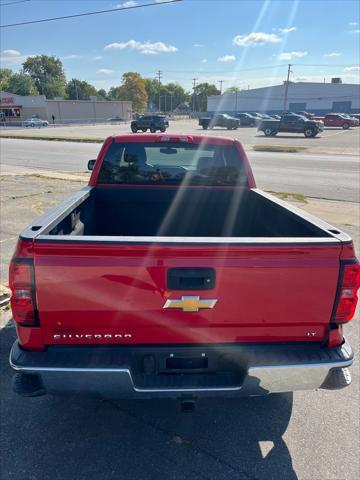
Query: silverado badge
[[190, 303]]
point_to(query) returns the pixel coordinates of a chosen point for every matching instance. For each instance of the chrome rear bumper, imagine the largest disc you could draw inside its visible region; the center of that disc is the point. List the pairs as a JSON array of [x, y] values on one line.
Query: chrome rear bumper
[[231, 370]]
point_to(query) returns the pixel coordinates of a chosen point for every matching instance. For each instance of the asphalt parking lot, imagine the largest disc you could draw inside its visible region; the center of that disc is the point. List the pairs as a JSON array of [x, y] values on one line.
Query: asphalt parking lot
[[305, 435], [331, 140]]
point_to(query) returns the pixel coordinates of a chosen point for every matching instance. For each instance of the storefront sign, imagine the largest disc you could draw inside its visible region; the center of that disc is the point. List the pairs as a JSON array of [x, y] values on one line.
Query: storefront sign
[[6, 100]]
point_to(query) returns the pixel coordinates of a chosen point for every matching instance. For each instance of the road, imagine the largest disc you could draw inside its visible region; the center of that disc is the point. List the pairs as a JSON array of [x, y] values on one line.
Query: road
[[331, 177]]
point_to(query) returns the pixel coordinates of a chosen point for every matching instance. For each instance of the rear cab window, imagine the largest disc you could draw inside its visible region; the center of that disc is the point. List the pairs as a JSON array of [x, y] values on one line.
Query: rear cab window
[[162, 163]]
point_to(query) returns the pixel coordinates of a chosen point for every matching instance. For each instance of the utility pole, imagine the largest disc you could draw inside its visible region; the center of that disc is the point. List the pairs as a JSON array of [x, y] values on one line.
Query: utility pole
[[159, 74], [193, 103], [287, 86], [221, 82]]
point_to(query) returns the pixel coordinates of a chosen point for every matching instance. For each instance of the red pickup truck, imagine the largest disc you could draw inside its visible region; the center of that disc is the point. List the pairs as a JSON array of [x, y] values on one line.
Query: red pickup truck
[[172, 275]]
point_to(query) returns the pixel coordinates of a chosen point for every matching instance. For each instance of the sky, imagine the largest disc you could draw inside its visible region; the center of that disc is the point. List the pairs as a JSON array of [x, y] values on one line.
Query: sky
[[247, 44]]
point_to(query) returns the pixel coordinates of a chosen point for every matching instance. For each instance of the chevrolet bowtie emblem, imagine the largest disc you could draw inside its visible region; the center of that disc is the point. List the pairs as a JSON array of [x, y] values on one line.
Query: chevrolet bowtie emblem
[[190, 303]]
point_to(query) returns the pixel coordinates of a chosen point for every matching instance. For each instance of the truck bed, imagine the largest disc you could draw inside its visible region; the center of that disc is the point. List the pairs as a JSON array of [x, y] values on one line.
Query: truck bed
[[156, 212]]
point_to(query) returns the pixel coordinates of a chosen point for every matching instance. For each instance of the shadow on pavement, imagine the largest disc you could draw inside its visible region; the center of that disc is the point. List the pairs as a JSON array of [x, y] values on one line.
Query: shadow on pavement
[[78, 438]]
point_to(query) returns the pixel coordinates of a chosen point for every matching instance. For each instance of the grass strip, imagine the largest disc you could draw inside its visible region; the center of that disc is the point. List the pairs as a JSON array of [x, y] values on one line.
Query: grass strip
[[54, 138], [299, 197], [278, 148]]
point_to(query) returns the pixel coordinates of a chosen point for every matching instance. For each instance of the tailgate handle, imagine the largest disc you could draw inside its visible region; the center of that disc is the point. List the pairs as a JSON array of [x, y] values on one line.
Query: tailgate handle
[[191, 279]]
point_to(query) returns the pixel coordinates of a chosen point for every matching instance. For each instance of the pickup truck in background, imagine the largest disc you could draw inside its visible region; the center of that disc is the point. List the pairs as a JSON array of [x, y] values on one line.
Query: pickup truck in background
[[172, 275], [291, 123], [219, 120]]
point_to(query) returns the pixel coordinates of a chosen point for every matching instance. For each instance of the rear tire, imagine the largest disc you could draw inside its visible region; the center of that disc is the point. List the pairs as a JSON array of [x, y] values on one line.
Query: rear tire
[[144, 130], [268, 132], [134, 129], [309, 133], [205, 127], [152, 129], [162, 130], [345, 126]]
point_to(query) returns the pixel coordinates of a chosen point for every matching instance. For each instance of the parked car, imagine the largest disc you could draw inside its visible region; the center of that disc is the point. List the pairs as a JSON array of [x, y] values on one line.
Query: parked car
[[338, 120], [305, 114], [265, 116], [150, 122], [352, 117], [219, 120], [247, 120], [144, 291], [35, 122], [356, 115], [256, 114], [291, 123], [115, 119]]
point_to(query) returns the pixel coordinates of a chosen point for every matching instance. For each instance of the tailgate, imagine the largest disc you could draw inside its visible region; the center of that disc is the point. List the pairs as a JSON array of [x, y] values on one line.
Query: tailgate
[[115, 293]]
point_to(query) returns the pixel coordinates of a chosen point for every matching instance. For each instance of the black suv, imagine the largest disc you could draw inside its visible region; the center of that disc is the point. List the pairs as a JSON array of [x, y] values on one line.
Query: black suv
[[152, 122]]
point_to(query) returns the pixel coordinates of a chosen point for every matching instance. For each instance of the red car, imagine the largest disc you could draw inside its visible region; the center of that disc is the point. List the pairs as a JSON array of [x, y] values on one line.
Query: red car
[[338, 120], [172, 275]]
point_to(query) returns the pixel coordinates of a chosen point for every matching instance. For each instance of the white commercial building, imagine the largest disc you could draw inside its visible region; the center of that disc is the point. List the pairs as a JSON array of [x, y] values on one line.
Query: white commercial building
[[16, 108], [318, 98]]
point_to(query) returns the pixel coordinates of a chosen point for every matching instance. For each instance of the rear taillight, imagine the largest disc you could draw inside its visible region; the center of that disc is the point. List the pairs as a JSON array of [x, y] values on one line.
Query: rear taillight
[[347, 296], [21, 281]]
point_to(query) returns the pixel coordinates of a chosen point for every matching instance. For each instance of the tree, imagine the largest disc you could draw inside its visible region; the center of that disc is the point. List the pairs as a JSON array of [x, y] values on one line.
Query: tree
[[102, 95], [48, 75], [114, 93], [202, 91], [21, 84], [5, 74], [79, 90], [171, 95], [232, 90], [132, 89], [152, 90]]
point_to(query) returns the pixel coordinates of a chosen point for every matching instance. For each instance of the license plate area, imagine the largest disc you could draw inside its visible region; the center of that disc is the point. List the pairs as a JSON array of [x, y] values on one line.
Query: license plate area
[[187, 363]]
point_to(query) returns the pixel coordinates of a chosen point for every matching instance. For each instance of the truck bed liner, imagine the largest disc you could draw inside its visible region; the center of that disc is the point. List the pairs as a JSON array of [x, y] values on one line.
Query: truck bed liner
[[146, 212]]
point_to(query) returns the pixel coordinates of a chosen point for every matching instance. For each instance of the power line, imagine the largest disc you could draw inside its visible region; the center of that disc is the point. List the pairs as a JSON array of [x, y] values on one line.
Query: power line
[[66, 17], [13, 3], [266, 67]]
